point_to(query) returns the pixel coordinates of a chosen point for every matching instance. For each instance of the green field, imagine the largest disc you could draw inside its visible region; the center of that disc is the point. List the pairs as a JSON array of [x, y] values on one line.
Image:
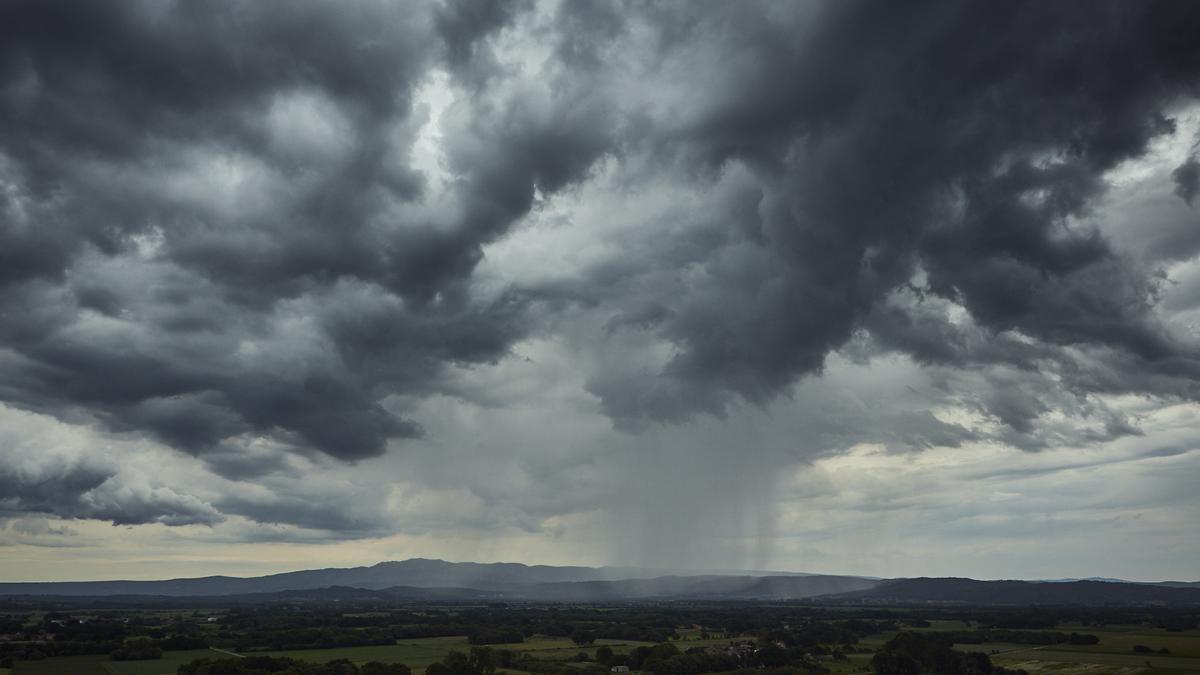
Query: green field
[[64, 665], [102, 665], [1114, 654], [1122, 643], [416, 654], [1063, 661]]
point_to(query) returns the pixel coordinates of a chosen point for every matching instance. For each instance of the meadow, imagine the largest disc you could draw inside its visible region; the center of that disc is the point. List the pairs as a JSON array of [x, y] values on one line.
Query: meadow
[[102, 665], [1113, 655]]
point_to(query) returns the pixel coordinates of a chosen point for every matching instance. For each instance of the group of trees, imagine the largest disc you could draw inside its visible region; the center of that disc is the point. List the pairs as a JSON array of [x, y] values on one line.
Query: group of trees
[[488, 635], [268, 665], [929, 653], [123, 636], [583, 637], [1143, 649], [666, 658], [137, 649], [276, 629], [480, 661], [280, 639], [1021, 637], [818, 636]]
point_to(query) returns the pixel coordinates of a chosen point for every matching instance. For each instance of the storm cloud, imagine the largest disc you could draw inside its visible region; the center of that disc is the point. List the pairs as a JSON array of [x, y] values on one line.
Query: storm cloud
[[282, 239], [938, 142], [212, 225]]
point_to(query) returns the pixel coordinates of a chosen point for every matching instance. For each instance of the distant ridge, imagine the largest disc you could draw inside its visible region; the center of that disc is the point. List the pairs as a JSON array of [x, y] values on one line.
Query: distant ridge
[[958, 591], [423, 580], [1173, 584], [415, 572]]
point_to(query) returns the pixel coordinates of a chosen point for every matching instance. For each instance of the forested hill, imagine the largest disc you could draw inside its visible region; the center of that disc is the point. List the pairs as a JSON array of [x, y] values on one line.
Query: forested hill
[[1021, 593]]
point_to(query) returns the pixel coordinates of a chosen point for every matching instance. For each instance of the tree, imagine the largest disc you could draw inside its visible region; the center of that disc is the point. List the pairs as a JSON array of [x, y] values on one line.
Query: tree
[[137, 649], [583, 637], [771, 656], [886, 663], [481, 661], [340, 667], [604, 654]]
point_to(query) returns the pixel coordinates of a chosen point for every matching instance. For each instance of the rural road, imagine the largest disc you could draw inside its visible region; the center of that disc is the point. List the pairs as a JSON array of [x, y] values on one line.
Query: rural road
[[226, 651]]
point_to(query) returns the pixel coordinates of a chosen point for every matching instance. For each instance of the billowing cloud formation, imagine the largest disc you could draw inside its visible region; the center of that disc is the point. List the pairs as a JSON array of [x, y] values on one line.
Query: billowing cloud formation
[[269, 233], [940, 142], [47, 471], [212, 226]]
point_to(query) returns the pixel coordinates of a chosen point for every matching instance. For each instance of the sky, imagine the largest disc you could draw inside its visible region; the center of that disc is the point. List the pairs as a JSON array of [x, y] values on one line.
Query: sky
[[892, 289]]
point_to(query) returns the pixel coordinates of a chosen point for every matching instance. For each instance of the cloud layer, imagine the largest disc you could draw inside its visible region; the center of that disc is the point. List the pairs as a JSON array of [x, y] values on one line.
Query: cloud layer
[[267, 267]]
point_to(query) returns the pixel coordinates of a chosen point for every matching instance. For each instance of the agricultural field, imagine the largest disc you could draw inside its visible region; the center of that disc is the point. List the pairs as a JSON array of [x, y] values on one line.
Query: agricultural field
[[1114, 653], [1123, 642], [102, 665], [1098, 663]]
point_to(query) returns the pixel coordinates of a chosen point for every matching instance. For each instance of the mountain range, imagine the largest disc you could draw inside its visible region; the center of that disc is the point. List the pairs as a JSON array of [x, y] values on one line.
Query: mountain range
[[426, 580]]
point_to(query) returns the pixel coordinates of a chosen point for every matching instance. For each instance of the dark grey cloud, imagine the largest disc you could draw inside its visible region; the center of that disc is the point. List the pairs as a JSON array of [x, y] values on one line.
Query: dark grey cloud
[[464, 27], [90, 490], [182, 183], [1187, 180], [215, 228], [964, 143], [347, 517]]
